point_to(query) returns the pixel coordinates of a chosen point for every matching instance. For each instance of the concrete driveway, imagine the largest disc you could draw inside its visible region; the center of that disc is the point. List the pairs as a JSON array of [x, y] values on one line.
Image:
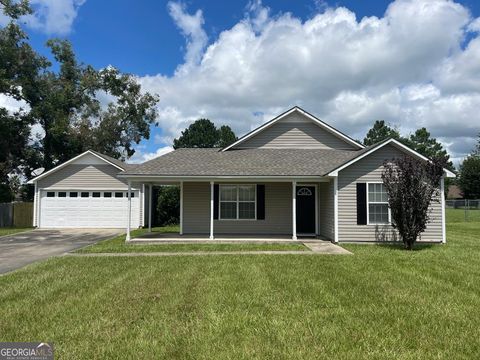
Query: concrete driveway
[[18, 250]]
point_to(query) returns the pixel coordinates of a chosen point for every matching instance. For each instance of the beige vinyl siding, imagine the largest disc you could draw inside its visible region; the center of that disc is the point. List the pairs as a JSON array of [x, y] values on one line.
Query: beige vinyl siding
[[326, 210], [369, 169], [74, 176], [278, 212], [295, 135], [196, 208]]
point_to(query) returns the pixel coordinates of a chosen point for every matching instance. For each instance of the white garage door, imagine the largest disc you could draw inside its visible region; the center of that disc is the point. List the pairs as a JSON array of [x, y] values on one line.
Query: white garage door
[[87, 209]]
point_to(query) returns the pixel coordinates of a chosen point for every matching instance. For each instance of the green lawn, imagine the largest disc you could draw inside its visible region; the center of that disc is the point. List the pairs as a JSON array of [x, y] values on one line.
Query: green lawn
[[380, 303], [458, 215], [12, 230], [118, 245]]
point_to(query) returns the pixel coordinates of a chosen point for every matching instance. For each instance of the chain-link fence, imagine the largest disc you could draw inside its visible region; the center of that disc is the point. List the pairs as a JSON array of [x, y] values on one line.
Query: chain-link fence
[[462, 210]]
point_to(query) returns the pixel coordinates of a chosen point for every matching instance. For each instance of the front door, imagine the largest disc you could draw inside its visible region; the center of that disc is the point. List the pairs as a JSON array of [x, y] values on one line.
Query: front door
[[305, 210]]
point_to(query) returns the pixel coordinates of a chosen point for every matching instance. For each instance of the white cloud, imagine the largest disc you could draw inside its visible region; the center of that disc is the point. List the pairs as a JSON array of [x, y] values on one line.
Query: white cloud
[[474, 26], [53, 16], [192, 28], [407, 67], [12, 105], [141, 156]]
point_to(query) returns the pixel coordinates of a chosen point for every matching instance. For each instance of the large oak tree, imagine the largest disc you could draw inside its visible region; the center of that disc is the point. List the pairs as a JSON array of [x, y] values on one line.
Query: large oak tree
[[72, 106]]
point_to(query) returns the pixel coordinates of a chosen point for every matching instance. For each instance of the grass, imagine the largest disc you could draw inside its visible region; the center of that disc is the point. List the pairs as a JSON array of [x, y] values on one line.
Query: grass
[[118, 245], [12, 230], [381, 303], [458, 215]]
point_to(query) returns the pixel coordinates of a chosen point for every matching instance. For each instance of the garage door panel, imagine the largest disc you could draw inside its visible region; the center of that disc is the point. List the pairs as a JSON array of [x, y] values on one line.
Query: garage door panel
[[88, 212]]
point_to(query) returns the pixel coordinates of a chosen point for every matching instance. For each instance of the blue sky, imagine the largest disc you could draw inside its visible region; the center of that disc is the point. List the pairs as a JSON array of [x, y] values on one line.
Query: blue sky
[[140, 37], [351, 62]]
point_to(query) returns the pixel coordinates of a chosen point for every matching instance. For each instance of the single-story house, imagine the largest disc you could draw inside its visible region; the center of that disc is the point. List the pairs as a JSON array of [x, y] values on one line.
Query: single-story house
[[294, 175]]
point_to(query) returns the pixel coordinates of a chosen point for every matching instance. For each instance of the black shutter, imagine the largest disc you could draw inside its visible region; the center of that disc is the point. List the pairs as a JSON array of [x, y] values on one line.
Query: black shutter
[[215, 201], [361, 204], [260, 202]]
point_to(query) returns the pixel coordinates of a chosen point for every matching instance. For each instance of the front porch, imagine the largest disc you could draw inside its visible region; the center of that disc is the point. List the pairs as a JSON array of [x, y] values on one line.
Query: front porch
[[244, 210]]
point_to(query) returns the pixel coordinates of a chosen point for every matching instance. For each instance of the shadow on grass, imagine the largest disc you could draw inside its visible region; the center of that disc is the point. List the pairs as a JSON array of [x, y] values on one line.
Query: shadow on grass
[[399, 246]]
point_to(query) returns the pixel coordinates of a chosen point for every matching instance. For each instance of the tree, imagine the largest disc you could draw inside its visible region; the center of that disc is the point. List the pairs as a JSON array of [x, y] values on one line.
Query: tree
[[379, 132], [168, 208], [203, 134], [76, 106], [469, 177], [422, 142], [411, 186], [476, 151], [226, 136], [15, 9], [73, 116], [19, 66]]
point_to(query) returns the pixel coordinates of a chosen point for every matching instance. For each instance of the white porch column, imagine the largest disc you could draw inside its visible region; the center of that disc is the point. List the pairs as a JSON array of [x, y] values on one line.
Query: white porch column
[[150, 188], [442, 190], [35, 204], [211, 209], [129, 209], [335, 207], [294, 210], [181, 207]]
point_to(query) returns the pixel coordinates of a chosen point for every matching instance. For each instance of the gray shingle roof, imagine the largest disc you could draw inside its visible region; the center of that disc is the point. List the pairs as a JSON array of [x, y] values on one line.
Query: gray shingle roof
[[247, 162]]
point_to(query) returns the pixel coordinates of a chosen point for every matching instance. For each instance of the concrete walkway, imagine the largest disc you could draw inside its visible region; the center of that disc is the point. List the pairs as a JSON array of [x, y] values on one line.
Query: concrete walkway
[[315, 247], [325, 247]]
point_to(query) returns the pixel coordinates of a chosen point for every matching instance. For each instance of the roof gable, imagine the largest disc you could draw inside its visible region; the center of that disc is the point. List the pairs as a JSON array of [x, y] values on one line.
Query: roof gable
[[296, 129], [371, 149], [88, 157]]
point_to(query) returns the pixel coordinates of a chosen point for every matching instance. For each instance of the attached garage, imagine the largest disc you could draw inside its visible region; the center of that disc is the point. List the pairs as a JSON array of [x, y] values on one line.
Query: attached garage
[[87, 209], [85, 192]]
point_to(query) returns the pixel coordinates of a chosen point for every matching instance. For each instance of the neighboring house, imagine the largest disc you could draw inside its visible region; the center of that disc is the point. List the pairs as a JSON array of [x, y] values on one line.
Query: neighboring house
[[454, 193], [294, 175]]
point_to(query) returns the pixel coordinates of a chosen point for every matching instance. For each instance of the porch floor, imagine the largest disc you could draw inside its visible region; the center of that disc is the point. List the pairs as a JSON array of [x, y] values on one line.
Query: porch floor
[[157, 238]]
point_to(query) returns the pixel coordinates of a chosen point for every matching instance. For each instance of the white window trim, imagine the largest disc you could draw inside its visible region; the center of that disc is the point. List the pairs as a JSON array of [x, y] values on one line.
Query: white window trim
[[237, 201], [376, 202]]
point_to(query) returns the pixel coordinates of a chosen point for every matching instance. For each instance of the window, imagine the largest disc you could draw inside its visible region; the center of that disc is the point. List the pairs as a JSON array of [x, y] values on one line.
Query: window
[[132, 194], [84, 194], [50, 194], [119, 194], [378, 210], [237, 202], [95, 194], [73, 194], [62, 194], [107, 194]]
